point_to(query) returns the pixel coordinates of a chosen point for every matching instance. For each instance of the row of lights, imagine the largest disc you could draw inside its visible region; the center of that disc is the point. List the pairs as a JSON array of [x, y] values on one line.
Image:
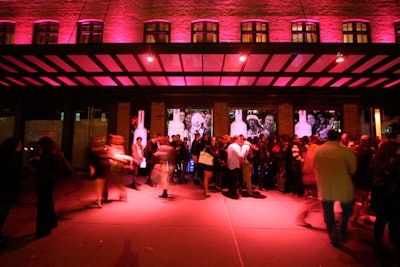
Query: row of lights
[[243, 57]]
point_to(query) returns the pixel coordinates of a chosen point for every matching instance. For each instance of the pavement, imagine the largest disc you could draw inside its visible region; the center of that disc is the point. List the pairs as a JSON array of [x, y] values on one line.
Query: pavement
[[185, 229]]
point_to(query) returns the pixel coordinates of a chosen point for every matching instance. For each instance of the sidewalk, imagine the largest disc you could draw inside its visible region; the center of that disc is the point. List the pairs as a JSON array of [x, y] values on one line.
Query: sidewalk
[[186, 229]]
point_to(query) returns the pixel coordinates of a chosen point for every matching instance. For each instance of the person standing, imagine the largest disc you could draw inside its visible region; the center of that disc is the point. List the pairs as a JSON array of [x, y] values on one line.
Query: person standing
[[137, 155], [48, 167], [262, 145], [195, 153], [150, 149], [11, 175], [335, 165], [384, 166], [235, 159]]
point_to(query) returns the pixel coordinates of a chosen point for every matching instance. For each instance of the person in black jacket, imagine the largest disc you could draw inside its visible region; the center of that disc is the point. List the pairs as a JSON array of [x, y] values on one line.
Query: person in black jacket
[[48, 166], [11, 174]]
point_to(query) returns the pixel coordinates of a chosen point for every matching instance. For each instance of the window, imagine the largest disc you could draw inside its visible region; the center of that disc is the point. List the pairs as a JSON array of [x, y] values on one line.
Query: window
[[205, 31], [355, 31], [157, 31], [254, 31], [397, 31], [45, 32], [7, 30], [305, 31], [90, 32]]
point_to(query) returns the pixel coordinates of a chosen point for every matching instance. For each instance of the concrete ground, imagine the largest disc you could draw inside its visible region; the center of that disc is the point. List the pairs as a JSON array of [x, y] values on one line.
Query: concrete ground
[[186, 229]]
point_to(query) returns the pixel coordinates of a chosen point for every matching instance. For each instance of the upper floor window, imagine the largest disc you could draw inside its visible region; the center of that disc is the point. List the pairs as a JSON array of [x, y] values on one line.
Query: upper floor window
[[7, 30], [397, 31], [45, 32], [90, 31], [254, 31], [157, 31], [305, 31], [205, 31], [356, 31]]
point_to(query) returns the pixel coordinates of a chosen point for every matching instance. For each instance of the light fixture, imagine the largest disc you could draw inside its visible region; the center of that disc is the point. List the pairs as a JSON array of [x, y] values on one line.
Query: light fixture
[[150, 58], [243, 57], [339, 57]]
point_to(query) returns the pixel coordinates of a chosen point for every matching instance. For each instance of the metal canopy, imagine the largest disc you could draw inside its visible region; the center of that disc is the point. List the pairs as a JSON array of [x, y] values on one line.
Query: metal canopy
[[177, 65]]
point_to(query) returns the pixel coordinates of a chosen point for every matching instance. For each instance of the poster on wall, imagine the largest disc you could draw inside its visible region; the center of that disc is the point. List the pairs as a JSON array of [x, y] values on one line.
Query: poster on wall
[[252, 123], [187, 122], [310, 122]]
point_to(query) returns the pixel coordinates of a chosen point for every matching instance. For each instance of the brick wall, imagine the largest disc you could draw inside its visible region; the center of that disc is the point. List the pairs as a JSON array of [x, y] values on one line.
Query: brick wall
[[124, 18]]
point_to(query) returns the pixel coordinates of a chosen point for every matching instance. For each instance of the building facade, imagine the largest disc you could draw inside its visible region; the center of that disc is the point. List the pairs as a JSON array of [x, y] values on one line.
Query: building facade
[[71, 69]]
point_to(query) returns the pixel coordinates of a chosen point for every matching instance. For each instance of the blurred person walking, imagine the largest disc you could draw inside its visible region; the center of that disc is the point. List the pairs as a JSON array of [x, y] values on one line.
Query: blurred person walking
[[335, 165], [99, 165]]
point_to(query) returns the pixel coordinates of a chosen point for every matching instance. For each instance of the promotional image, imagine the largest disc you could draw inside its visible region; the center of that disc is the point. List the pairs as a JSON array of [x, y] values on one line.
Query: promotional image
[[252, 123], [310, 122], [188, 122]]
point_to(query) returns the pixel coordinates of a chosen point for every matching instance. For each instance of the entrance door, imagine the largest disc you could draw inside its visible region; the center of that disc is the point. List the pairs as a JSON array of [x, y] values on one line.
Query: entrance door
[[88, 122]]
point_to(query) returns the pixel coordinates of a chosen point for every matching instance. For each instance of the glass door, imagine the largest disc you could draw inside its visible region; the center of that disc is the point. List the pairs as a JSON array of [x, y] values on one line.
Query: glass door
[[88, 122]]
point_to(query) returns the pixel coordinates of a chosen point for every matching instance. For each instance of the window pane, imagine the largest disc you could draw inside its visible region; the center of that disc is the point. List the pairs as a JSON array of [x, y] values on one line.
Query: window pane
[[261, 38], [198, 27], [90, 32], [150, 27], [247, 26], [211, 26], [164, 27], [261, 26], [7, 30], [45, 32], [247, 38], [150, 38], [397, 31]]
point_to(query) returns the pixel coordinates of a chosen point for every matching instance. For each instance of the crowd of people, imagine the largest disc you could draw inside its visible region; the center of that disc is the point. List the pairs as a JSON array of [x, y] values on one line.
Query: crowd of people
[[362, 175]]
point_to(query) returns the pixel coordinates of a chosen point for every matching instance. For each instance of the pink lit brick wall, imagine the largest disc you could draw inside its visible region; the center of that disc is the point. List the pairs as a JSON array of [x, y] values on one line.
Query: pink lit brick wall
[[124, 18]]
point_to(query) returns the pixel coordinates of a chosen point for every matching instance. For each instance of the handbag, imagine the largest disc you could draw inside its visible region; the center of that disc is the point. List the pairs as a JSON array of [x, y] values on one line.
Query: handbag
[[206, 158]]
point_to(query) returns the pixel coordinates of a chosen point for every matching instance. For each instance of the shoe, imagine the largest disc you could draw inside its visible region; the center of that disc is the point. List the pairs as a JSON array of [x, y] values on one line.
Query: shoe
[[42, 234], [150, 183], [245, 194], [304, 224], [196, 181], [135, 187], [206, 194], [219, 189], [231, 195], [164, 195], [336, 243]]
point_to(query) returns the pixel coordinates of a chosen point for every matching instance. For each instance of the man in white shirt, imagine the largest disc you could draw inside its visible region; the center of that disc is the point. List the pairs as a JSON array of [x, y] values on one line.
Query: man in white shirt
[[235, 159]]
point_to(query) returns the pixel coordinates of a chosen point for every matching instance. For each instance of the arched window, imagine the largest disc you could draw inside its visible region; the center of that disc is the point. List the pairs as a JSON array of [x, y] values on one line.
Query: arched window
[[45, 32], [254, 31], [157, 31], [356, 31], [305, 31], [90, 31], [205, 31], [7, 30]]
